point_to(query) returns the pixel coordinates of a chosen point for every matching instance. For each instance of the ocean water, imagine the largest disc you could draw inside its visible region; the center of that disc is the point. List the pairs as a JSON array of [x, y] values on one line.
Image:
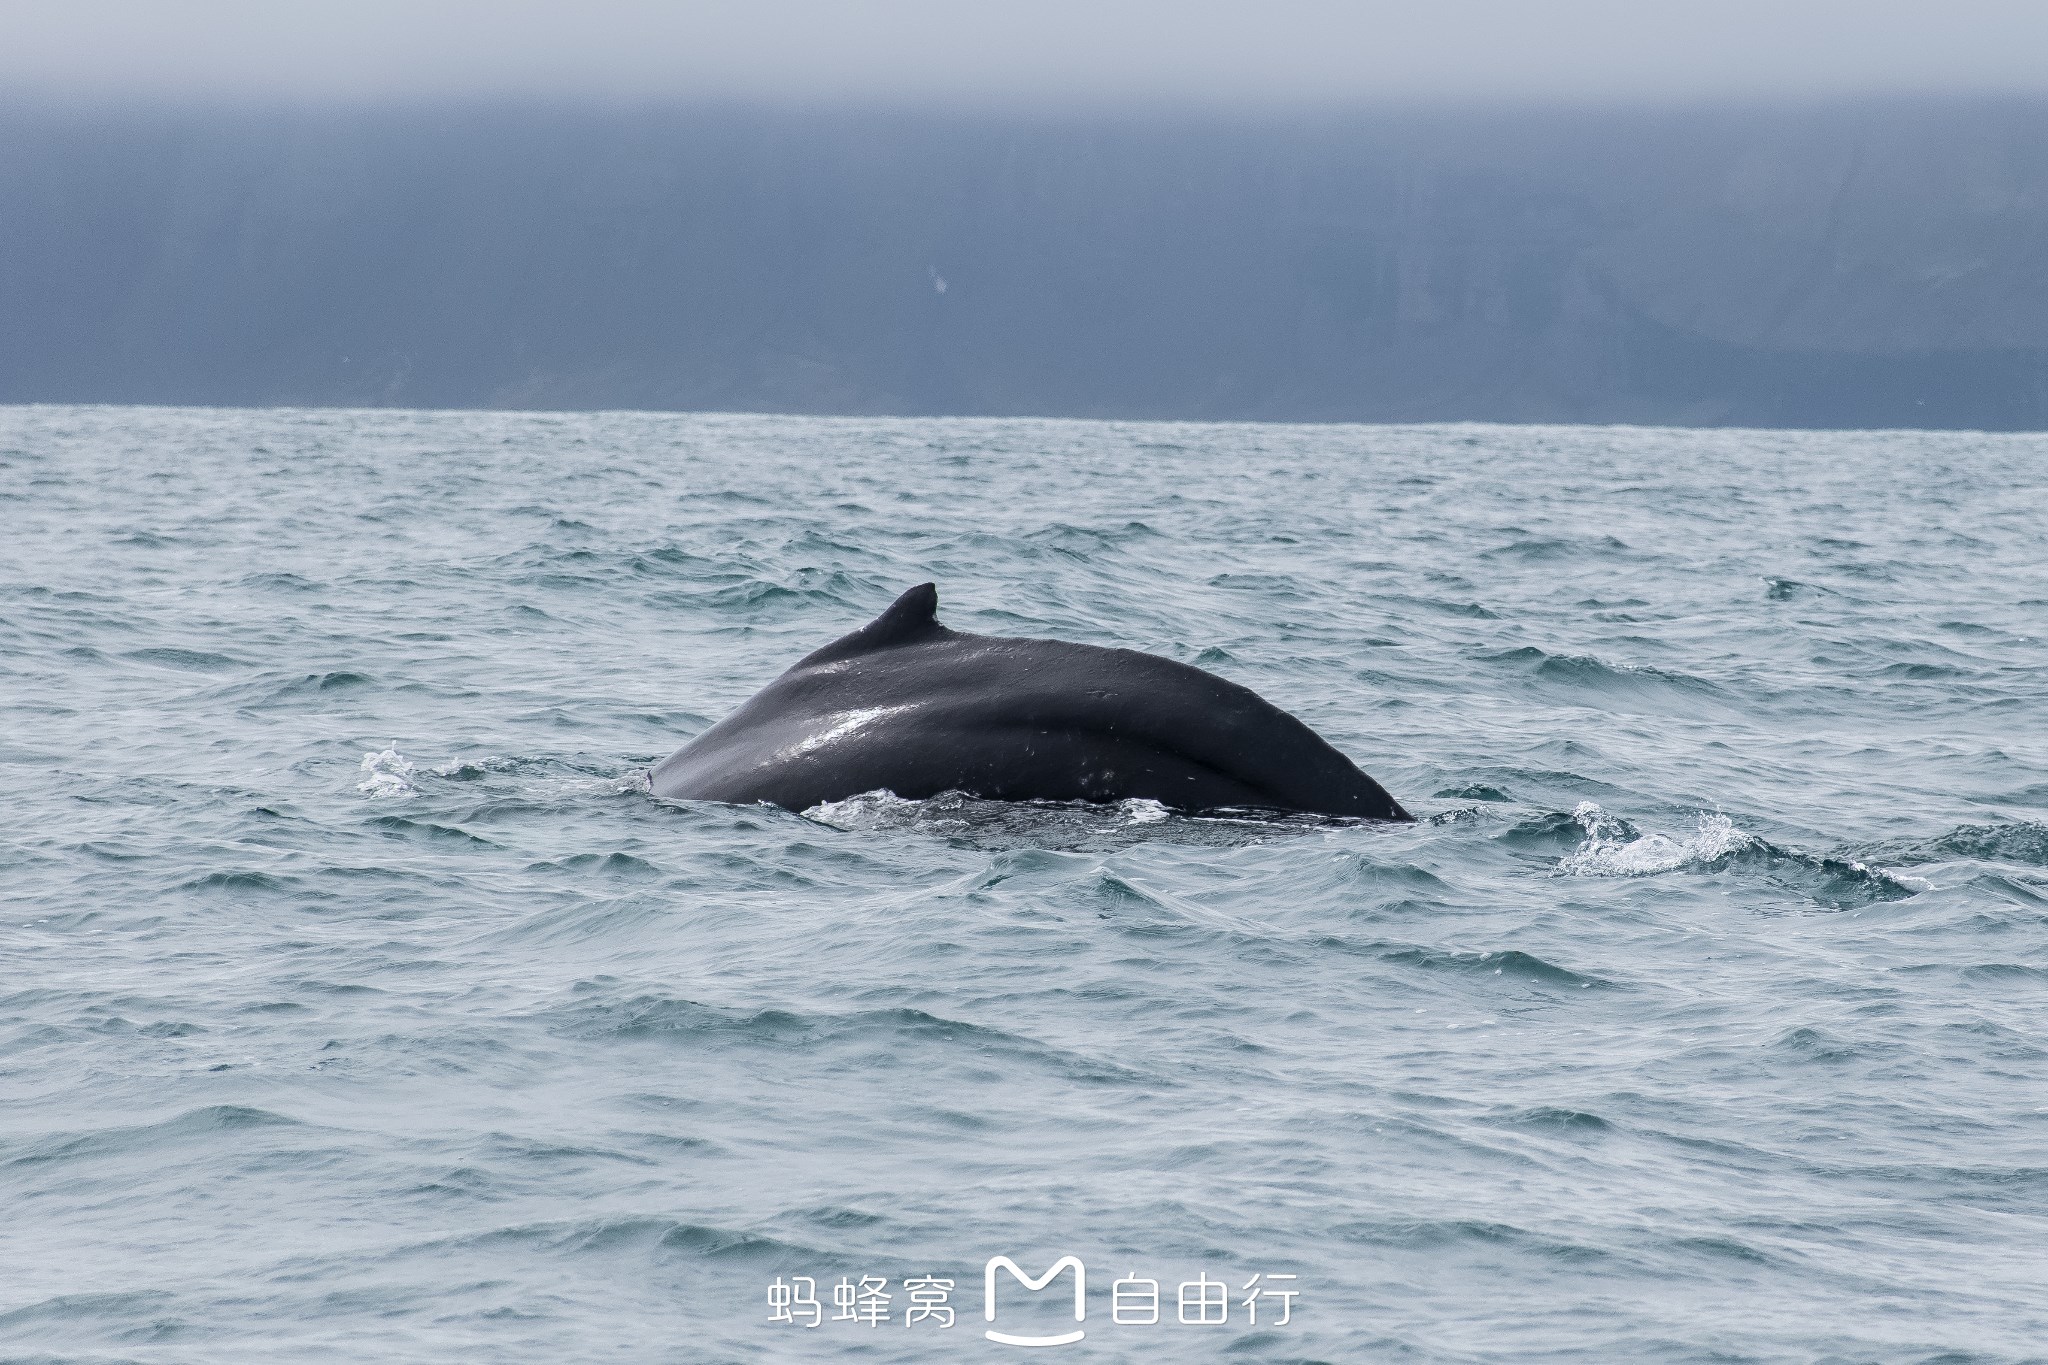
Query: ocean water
[[358, 1002]]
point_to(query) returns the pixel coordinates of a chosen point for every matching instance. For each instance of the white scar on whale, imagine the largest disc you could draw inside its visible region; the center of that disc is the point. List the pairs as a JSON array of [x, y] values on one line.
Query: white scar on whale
[[851, 721]]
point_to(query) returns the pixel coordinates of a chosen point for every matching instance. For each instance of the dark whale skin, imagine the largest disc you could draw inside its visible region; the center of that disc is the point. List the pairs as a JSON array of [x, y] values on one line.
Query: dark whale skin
[[906, 705]]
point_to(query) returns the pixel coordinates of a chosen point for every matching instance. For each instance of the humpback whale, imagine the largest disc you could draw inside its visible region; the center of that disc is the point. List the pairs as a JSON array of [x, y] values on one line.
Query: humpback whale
[[906, 705]]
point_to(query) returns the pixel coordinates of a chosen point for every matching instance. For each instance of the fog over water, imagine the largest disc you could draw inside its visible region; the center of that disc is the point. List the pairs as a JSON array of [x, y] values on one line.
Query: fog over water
[[1815, 214], [1865, 264], [1285, 52]]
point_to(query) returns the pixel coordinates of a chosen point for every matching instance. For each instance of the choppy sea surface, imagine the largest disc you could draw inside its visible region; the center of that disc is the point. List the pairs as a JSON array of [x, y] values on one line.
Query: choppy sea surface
[[358, 1001]]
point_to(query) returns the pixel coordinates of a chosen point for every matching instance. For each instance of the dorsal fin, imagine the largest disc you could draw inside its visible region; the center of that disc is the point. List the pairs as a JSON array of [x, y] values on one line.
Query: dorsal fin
[[917, 610], [911, 617]]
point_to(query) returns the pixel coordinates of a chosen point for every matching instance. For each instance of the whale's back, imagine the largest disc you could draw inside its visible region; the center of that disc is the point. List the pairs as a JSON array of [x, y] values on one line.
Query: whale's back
[[907, 705]]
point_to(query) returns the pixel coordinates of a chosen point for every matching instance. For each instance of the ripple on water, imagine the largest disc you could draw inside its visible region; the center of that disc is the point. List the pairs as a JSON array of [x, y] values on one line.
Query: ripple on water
[[361, 1001], [1614, 848]]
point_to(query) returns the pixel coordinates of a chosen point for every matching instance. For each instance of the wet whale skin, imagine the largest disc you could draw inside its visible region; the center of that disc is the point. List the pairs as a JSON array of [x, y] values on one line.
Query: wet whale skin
[[908, 706]]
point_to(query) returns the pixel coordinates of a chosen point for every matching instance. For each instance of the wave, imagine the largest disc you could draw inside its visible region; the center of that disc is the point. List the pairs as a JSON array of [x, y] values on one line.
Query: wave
[[189, 660], [653, 1016], [1549, 548], [1084, 542], [1471, 791], [1510, 962], [1424, 1234], [493, 785], [1556, 1119], [72, 1308], [387, 773], [1065, 825], [2024, 842], [640, 1235], [610, 864], [2034, 794], [882, 809], [149, 1139], [240, 880], [1785, 589], [398, 827], [1657, 689], [1614, 848]]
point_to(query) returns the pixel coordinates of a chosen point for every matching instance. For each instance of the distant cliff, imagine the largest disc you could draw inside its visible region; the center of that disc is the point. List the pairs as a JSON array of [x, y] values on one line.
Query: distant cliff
[[1865, 265]]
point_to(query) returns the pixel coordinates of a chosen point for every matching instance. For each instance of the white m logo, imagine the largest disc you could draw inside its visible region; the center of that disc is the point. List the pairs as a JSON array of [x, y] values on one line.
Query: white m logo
[[988, 1298]]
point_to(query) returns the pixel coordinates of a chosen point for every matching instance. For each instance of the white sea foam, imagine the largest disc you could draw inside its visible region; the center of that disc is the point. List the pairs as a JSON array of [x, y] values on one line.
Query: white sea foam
[[880, 809], [1613, 849], [1140, 811], [387, 773], [884, 809]]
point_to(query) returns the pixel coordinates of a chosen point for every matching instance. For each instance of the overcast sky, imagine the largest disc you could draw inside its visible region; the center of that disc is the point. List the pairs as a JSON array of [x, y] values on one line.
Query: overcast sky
[[1035, 52]]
